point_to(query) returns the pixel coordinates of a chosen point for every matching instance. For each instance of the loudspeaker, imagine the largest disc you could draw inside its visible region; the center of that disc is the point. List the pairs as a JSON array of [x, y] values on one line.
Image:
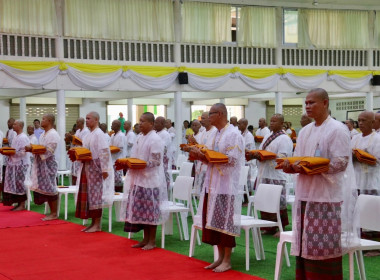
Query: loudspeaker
[[183, 78], [375, 80]]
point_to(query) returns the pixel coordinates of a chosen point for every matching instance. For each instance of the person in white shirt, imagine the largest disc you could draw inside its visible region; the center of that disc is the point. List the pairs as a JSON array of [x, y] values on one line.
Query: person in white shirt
[[16, 174], [103, 127], [159, 125], [34, 141], [130, 138], [37, 128], [9, 135], [350, 125], [262, 130], [117, 140], [171, 131]]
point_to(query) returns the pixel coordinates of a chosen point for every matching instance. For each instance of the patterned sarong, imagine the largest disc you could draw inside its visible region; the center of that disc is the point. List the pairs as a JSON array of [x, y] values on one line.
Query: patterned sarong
[[83, 210], [144, 211], [330, 269], [213, 237]]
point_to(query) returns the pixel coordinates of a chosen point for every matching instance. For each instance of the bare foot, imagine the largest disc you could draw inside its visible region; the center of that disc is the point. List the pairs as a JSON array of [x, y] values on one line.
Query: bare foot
[[93, 229], [50, 217], [214, 264], [149, 247], [85, 229], [222, 267], [139, 245]]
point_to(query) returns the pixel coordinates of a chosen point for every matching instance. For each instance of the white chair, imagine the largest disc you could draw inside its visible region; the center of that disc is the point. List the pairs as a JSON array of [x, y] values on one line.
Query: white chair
[[186, 169], [243, 181], [61, 175], [368, 207], [266, 199], [117, 199], [181, 192], [180, 160], [65, 191]]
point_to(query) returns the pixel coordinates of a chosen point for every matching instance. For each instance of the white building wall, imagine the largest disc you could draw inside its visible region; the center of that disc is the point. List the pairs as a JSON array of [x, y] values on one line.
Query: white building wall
[[4, 115], [89, 106], [254, 111]]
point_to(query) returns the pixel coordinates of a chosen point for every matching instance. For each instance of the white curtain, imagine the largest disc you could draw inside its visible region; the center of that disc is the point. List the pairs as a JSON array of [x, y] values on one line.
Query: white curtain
[[206, 23], [333, 29], [142, 20], [37, 17], [377, 30], [257, 27]]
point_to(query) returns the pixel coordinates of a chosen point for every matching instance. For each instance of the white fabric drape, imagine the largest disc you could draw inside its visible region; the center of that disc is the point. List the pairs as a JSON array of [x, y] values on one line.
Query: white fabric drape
[[94, 81], [206, 83], [143, 20], [260, 84], [257, 27], [37, 17], [350, 84], [305, 82], [206, 23], [333, 29], [152, 83], [36, 79]]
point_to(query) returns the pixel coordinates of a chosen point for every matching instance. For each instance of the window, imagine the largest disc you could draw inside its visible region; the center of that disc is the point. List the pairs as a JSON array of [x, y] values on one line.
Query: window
[[235, 15], [290, 26]]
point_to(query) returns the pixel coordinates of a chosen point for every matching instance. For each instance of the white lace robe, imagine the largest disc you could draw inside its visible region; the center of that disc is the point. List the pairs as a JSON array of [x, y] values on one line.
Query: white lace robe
[[367, 176], [249, 144], [16, 175], [130, 139], [150, 149], [167, 157], [45, 166], [327, 229], [222, 182], [76, 165], [10, 135], [118, 140], [261, 132], [101, 162]]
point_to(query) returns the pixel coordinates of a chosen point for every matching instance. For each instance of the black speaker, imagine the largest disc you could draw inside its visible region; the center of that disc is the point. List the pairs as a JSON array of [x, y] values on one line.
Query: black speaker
[[183, 78], [375, 80]]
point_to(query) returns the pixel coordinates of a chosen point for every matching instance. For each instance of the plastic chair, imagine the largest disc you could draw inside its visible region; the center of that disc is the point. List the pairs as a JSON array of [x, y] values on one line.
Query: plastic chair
[[61, 174], [243, 181], [181, 192], [186, 169], [117, 199], [267, 199], [65, 191]]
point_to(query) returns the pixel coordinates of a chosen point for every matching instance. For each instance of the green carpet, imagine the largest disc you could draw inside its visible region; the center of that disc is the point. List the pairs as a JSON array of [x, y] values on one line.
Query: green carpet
[[263, 268]]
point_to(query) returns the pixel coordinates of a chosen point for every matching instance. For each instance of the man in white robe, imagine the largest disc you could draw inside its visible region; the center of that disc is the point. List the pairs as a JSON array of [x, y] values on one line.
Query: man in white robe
[[117, 140], [262, 130], [146, 195], [171, 130], [80, 133], [323, 202], [249, 143], [16, 173], [221, 200], [9, 135], [96, 181], [159, 125], [103, 128], [201, 167], [34, 141], [45, 167], [367, 176], [350, 126], [234, 121], [130, 138], [277, 142]]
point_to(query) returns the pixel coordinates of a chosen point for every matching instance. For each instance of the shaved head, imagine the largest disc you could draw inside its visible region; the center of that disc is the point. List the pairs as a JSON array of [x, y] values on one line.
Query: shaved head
[[366, 121], [242, 124], [220, 107], [319, 93], [95, 115]]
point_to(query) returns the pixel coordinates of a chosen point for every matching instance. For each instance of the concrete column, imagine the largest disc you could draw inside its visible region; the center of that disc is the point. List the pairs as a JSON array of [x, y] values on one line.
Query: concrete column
[[369, 101], [278, 104], [177, 32], [130, 109], [279, 36], [303, 105], [23, 112], [178, 118], [61, 128]]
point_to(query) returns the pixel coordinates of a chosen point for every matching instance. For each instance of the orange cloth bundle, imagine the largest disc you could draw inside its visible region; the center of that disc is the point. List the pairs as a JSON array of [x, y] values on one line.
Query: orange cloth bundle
[[114, 149], [264, 155], [79, 153], [132, 163], [76, 141], [5, 141], [111, 132], [309, 165], [38, 149], [365, 157], [7, 151], [259, 139], [215, 157]]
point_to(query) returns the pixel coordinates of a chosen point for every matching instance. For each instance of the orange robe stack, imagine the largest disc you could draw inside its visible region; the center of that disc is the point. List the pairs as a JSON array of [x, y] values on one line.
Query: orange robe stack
[[215, 157], [7, 151], [38, 149], [132, 163], [114, 149], [79, 153], [5, 141], [76, 141], [264, 155], [364, 157], [259, 139], [309, 165]]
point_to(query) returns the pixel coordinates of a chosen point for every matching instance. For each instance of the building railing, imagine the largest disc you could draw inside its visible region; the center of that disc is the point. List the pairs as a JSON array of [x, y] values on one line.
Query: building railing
[[14, 46]]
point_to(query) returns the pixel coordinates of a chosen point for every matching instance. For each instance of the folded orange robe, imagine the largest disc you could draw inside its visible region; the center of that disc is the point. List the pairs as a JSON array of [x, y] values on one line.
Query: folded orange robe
[[5, 141], [309, 165], [264, 155], [215, 157], [132, 163], [7, 151], [111, 132], [79, 153], [38, 149], [114, 149], [364, 157], [76, 141], [259, 139]]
